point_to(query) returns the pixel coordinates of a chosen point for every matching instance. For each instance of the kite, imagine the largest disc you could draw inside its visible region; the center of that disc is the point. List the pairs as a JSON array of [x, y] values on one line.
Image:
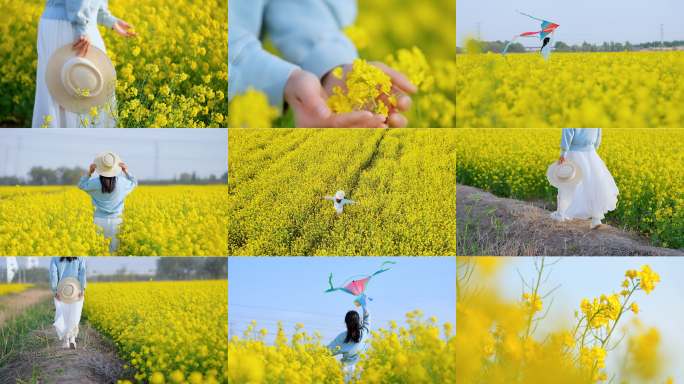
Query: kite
[[357, 287], [547, 27]]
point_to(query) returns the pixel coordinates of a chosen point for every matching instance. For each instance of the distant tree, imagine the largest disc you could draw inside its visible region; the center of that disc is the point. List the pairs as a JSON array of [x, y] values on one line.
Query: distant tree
[[212, 177], [193, 179], [619, 47], [576, 48], [606, 46], [458, 51], [178, 268], [561, 47], [185, 178], [215, 267], [41, 176], [586, 47], [473, 46], [70, 176], [224, 177]]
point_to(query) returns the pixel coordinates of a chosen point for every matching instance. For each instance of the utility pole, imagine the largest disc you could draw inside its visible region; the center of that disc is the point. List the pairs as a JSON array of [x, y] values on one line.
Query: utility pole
[[478, 32], [662, 34]]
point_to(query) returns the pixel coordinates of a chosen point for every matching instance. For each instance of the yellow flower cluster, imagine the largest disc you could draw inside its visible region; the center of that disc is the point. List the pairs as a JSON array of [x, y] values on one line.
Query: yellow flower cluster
[[304, 361], [251, 110], [364, 86], [575, 356], [611, 89], [9, 288], [417, 355], [646, 278], [175, 331], [404, 180], [49, 224], [514, 162], [173, 74], [158, 221], [175, 221], [534, 305]]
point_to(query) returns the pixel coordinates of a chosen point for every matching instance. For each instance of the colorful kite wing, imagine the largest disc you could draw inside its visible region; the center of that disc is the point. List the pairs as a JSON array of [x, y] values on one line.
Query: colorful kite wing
[[358, 287], [547, 27]]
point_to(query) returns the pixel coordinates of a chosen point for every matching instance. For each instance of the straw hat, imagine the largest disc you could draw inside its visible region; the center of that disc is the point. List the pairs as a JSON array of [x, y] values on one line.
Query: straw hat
[[566, 175], [339, 195], [107, 164], [68, 290], [66, 73]]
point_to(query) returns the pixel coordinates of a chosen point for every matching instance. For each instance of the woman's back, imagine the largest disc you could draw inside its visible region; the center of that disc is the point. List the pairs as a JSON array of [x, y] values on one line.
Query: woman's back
[[109, 205], [351, 350]]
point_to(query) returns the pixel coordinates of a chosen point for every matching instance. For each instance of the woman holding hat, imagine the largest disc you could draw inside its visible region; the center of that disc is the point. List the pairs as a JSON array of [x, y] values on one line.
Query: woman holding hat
[[586, 189], [72, 56], [108, 193], [68, 283], [339, 201]]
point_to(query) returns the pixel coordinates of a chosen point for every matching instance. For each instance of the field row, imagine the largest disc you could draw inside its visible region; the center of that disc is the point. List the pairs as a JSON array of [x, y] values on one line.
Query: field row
[[403, 179]]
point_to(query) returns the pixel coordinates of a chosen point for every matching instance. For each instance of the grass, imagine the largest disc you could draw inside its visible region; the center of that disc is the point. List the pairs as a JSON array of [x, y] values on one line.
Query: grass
[[15, 332]]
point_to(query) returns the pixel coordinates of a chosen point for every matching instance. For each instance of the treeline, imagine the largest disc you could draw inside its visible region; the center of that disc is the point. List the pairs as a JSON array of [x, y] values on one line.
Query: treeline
[[71, 176], [168, 269], [498, 46]]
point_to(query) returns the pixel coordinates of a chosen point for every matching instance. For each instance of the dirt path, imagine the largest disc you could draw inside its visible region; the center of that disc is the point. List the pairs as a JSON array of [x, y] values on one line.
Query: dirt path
[[507, 227], [94, 360]]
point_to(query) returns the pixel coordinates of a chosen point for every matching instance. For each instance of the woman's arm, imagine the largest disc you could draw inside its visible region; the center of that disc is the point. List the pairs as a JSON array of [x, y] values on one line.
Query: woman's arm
[[82, 274], [133, 181], [345, 201], [598, 140], [366, 318], [78, 13], [104, 17], [329, 197], [566, 140], [54, 276]]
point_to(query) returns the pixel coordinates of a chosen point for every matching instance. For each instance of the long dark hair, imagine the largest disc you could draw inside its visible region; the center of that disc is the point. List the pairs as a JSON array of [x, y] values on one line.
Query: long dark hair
[[353, 327], [339, 200], [546, 41], [69, 259], [108, 184]]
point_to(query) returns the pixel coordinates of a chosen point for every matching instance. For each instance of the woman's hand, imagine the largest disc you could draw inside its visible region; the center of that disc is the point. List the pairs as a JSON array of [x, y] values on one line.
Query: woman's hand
[[400, 84], [82, 44], [121, 27], [92, 169], [57, 296], [357, 203], [561, 160], [123, 168], [80, 295]]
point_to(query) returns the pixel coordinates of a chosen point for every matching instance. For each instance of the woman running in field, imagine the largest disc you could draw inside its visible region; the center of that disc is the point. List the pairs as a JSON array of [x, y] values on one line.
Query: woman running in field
[[339, 201], [352, 343], [596, 193], [546, 48], [108, 193]]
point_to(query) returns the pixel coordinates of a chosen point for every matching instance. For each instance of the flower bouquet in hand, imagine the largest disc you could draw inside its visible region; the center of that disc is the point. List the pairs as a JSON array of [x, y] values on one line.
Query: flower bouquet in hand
[[366, 86]]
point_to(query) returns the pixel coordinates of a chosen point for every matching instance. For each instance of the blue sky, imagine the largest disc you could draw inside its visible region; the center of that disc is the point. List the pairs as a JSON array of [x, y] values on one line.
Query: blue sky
[[589, 277], [581, 20], [204, 151], [290, 289]]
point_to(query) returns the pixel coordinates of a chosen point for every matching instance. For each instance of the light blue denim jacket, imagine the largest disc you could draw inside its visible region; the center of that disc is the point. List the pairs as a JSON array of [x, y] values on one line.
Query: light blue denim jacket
[[351, 351], [307, 33], [109, 205], [81, 13], [580, 139], [341, 204], [546, 51], [61, 269]]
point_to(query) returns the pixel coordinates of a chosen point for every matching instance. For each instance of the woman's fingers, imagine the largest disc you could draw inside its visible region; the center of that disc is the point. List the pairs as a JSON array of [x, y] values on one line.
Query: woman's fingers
[[397, 120], [352, 119]]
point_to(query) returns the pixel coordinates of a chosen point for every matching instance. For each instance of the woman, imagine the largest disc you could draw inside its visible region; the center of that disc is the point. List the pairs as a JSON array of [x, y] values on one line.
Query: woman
[[546, 48], [65, 22], [108, 193], [352, 344], [339, 201], [67, 316], [596, 193]]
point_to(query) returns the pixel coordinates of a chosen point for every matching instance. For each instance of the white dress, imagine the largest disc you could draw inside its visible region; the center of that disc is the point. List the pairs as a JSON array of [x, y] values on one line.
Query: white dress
[[67, 317], [110, 227], [52, 35], [596, 193]]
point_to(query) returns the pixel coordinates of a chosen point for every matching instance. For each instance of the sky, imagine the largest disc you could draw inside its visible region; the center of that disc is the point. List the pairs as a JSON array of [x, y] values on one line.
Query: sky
[[290, 289], [204, 151], [636, 21], [106, 265], [589, 277]]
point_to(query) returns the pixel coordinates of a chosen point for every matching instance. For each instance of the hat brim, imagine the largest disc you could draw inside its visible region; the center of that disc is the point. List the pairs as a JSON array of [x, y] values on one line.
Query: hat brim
[[111, 173], [53, 79], [60, 288], [551, 171]]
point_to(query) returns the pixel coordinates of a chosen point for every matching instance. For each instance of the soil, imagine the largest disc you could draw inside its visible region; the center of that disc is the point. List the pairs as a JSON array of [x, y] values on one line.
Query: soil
[[507, 227], [93, 361]]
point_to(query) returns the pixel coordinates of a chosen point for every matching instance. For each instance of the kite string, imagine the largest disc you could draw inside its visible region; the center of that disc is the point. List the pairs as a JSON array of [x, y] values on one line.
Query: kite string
[[528, 15]]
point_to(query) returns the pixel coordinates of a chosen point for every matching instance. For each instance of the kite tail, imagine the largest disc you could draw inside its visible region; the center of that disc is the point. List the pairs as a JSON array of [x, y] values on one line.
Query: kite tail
[[383, 264], [528, 15], [330, 281], [509, 43]]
